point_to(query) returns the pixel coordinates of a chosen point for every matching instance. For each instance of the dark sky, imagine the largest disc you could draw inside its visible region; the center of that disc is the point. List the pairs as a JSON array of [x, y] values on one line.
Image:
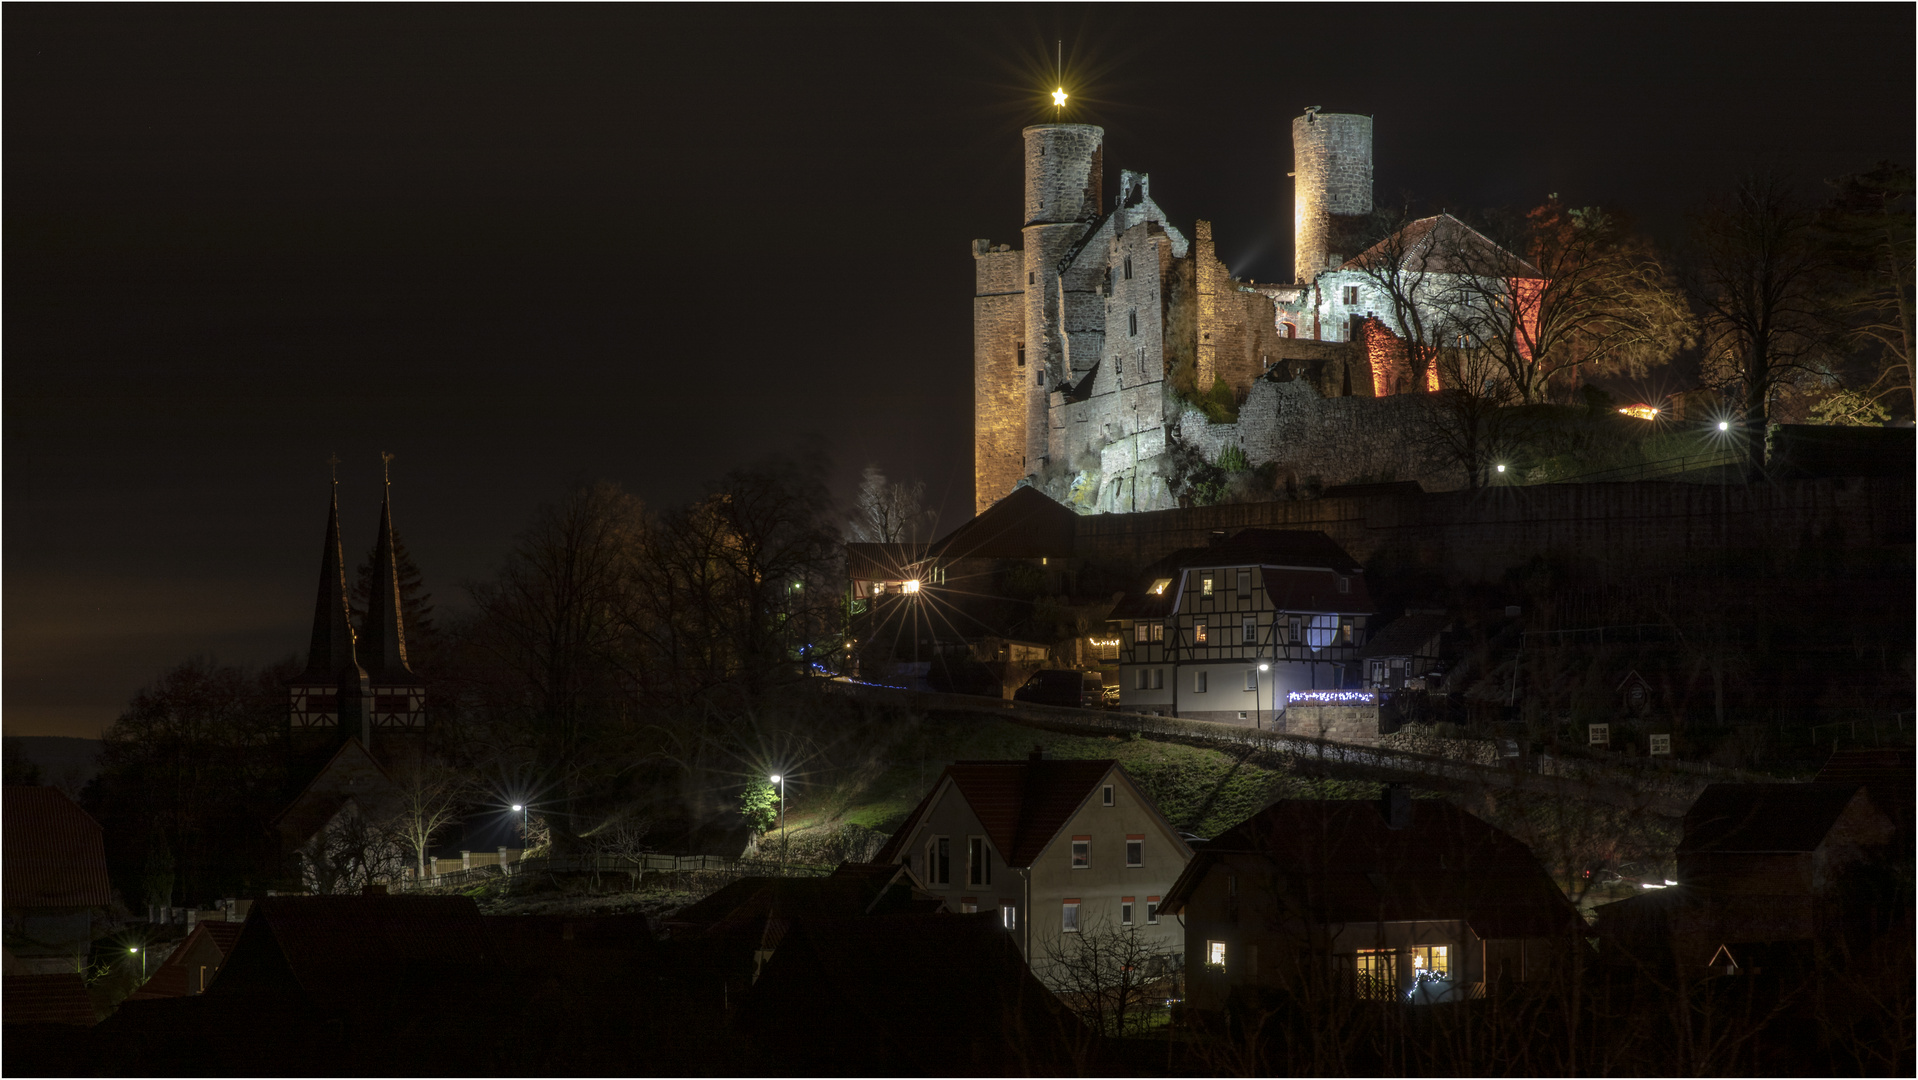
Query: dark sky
[[523, 246]]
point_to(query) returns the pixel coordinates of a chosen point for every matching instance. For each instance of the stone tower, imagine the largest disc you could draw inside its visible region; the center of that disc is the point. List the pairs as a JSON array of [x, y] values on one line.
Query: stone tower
[[332, 691], [1064, 167], [1332, 171]]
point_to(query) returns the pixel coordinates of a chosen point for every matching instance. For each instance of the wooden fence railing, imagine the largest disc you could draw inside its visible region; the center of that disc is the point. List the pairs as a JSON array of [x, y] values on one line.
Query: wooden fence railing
[[636, 867]]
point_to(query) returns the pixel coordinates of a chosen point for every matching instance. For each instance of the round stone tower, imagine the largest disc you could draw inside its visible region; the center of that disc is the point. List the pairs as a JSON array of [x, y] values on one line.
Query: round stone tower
[[1332, 178], [1064, 167]]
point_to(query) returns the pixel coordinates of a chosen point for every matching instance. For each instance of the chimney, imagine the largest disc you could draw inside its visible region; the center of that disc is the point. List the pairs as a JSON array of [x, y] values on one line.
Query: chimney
[[1395, 806], [1039, 753]]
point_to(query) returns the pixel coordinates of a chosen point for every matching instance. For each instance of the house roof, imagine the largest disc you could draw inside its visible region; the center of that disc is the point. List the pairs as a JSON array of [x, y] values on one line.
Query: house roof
[[1886, 773], [1405, 636], [55, 852], [1026, 524], [327, 945], [1340, 862], [904, 994], [881, 562], [854, 889], [1764, 817], [345, 776], [1022, 805], [1442, 244], [47, 999], [210, 943], [1315, 562]]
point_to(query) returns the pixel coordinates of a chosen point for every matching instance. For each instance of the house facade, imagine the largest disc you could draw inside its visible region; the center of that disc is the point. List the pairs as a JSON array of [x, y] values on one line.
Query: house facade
[[1394, 900], [1228, 632], [1055, 847]]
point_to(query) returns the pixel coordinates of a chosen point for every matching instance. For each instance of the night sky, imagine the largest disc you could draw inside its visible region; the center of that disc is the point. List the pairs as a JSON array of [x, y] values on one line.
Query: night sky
[[522, 247]]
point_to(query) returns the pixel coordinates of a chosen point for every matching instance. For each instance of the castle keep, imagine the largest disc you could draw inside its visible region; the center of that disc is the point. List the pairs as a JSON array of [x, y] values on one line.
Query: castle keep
[[1097, 344]]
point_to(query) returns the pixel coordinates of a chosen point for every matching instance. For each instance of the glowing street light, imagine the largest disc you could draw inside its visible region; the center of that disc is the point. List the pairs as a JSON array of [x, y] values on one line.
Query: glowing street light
[[525, 828], [1501, 468], [1258, 703], [143, 960], [1724, 425], [910, 585]]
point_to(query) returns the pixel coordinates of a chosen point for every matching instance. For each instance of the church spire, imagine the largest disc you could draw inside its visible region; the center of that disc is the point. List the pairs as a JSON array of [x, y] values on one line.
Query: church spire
[[331, 653], [385, 637]]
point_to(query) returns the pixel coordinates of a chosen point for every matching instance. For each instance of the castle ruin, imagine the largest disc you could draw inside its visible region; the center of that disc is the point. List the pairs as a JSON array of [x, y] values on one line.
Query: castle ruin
[[1099, 342]]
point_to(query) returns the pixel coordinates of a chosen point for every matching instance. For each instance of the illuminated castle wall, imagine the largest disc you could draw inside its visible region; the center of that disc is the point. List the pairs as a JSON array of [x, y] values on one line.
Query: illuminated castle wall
[[1077, 336]]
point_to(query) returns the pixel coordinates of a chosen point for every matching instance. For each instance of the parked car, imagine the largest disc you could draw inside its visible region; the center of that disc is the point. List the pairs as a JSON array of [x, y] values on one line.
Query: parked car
[[1072, 689], [1111, 696]]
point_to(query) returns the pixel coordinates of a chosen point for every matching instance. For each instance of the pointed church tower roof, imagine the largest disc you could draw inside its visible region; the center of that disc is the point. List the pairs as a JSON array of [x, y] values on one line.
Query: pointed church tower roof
[[384, 643], [331, 653]]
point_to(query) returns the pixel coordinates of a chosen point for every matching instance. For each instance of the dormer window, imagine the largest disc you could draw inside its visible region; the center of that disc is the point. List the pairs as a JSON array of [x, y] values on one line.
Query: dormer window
[[1159, 587], [1345, 584]]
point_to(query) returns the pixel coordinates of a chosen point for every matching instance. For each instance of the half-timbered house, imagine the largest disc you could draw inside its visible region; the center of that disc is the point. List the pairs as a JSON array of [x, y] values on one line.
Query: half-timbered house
[[1227, 632]]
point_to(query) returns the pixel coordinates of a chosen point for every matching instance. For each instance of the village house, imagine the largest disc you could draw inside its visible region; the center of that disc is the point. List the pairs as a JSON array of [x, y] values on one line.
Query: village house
[[1055, 847], [56, 881], [1228, 632], [1759, 865], [1387, 900], [189, 969], [1405, 651]]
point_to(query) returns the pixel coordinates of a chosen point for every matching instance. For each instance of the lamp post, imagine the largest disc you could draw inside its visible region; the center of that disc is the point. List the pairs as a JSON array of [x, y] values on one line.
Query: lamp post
[[1258, 705], [781, 781], [143, 960], [525, 830]]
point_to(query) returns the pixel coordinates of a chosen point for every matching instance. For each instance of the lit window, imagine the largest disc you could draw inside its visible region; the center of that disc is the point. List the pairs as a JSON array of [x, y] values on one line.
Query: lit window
[[1159, 586], [1139, 633], [978, 861], [1081, 852], [1198, 633], [1070, 922], [1125, 911], [1377, 975], [1198, 682], [1249, 631], [1205, 585], [1158, 631], [1009, 914], [1152, 910], [1245, 584], [1215, 953], [1105, 795], [1135, 851], [1430, 962], [1345, 631]]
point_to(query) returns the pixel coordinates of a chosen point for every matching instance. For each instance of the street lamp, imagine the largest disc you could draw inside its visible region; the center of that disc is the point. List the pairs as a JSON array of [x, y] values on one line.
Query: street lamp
[[525, 829], [781, 781], [143, 960], [1258, 706]]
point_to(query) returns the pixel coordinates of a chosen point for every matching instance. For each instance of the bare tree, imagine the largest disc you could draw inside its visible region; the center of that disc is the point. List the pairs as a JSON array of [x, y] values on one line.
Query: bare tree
[[427, 800], [1871, 230], [1585, 297], [890, 513], [1407, 264], [1761, 277], [1470, 420], [1105, 973], [350, 853]]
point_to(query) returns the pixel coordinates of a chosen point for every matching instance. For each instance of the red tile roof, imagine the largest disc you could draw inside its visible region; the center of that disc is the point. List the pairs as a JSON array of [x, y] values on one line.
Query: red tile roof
[[48, 999], [1021, 804], [55, 855], [1312, 563], [1346, 865], [1442, 244], [1026, 524]]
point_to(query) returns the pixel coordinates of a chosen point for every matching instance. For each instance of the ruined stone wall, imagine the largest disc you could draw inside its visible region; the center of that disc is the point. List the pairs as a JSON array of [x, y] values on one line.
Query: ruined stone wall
[[1332, 168], [1237, 326], [1619, 531], [999, 373], [1324, 440], [1062, 196]]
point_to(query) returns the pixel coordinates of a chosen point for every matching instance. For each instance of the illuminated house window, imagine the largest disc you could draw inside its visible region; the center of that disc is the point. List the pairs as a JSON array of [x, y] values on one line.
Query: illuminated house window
[[1105, 795], [1345, 631], [1070, 917], [1160, 586], [1125, 911], [1377, 975], [1198, 633], [1249, 631], [1135, 850], [1215, 954], [1205, 585], [978, 862], [1081, 852], [1140, 634], [1009, 914], [1430, 962], [1198, 682], [1158, 631], [939, 861]]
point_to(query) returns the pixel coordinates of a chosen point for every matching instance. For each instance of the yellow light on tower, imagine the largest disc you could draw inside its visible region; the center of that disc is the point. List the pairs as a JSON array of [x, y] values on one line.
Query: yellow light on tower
[[1059, 98]]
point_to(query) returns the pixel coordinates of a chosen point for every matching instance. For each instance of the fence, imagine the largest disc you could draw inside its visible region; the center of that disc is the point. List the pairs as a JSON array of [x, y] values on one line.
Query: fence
[[636, 867]]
